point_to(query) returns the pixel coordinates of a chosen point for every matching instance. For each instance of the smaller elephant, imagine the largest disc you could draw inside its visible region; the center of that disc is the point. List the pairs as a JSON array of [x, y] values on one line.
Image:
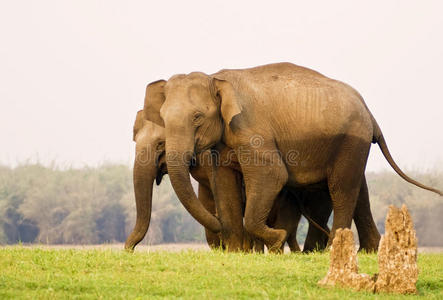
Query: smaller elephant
[[287, 211], [286, 214]]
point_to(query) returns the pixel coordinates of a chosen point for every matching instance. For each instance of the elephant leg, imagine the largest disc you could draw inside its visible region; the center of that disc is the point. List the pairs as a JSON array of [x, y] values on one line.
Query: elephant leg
[[206, 198], [344, 181], [251, 244], [287, 217], [248, 242], [259, 246], [263, 184], [319, 207], [292, 241], [228, 200], [368, 234]]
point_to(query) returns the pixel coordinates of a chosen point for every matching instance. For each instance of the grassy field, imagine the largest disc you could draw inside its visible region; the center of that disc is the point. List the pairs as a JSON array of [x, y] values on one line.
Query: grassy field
[[88, 274]]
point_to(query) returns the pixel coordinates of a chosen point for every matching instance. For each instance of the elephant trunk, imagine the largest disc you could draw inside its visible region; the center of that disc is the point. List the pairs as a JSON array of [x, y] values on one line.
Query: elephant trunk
[[144, 174], [178, 158]]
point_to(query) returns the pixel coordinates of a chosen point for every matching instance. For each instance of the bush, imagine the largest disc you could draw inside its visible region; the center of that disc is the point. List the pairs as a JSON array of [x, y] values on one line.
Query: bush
[[41, 204], [84, 206]]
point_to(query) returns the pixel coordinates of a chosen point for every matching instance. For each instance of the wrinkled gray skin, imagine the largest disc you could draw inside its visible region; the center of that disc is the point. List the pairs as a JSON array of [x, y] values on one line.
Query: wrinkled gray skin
[[318, 129], [149, 166]]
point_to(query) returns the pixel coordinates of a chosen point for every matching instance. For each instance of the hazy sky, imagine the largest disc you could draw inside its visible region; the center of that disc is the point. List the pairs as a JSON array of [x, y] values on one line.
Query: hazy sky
[[73, 73]]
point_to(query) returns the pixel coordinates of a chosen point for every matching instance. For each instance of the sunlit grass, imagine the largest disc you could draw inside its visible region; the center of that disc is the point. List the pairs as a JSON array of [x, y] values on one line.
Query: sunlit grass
[[37, 273]]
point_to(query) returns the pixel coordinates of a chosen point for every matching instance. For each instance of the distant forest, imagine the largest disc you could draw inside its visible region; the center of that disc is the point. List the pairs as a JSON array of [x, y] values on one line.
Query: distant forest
[[49, 205]]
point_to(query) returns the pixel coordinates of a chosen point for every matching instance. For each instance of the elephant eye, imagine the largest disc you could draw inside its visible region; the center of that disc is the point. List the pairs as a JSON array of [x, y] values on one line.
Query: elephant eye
[[197, 119]]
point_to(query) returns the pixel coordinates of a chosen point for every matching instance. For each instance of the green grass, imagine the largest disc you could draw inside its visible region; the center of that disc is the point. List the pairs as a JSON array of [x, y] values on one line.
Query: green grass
[[88, 274]]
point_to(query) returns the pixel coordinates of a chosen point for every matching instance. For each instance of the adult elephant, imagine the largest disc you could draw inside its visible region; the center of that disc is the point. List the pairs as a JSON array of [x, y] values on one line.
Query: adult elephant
[[312, 131], [150, 166]]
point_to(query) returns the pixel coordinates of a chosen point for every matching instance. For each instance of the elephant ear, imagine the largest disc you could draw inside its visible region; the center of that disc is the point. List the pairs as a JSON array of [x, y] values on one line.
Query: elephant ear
[[154, 99], [138, 124], [230, 106]]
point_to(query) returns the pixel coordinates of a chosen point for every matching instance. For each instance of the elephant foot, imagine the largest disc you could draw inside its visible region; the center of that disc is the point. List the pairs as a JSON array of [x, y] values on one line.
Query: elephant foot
[[319, 246], [129, 248], [233, 246], [258, 247], [253, 245], [276, 245], [294, 247], [370, 243], [232, 241], [369, 246]]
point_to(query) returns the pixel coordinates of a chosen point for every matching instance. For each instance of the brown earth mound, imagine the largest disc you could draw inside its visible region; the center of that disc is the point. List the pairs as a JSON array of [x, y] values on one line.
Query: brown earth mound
[[397, 258]]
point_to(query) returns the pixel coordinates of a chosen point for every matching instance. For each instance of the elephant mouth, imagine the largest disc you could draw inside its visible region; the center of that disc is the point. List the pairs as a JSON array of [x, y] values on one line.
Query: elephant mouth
[[160, 173], [161, 168], [159, 176]]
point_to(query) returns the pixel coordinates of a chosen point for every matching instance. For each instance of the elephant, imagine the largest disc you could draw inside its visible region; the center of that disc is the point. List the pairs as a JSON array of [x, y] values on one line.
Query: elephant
[[150, 165], [289, 126], [288, 219], [288, 210]]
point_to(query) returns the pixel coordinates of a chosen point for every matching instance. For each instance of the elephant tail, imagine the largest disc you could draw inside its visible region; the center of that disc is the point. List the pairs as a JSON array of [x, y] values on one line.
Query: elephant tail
[[380, 140], [312, 222], [301, 207]]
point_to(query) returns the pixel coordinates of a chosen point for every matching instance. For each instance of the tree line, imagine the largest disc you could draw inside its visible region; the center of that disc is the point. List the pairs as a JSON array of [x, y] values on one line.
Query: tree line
[[40, 204]]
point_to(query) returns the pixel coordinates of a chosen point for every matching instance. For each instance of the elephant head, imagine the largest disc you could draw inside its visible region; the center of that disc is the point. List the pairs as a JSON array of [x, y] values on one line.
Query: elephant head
[[149, 165], [194, 109]]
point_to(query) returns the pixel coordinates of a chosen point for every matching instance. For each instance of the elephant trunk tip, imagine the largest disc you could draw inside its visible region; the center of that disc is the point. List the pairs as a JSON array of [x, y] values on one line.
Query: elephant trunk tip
[[129, 249]]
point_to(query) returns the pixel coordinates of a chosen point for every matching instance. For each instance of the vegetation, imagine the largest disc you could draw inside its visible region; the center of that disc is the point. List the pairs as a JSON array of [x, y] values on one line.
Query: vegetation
[[426, 208], [89, 274], [84, 206], [49, 205]]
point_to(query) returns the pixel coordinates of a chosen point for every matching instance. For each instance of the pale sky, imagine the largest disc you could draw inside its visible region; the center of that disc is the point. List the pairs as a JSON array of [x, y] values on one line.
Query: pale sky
[[73, 73]]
